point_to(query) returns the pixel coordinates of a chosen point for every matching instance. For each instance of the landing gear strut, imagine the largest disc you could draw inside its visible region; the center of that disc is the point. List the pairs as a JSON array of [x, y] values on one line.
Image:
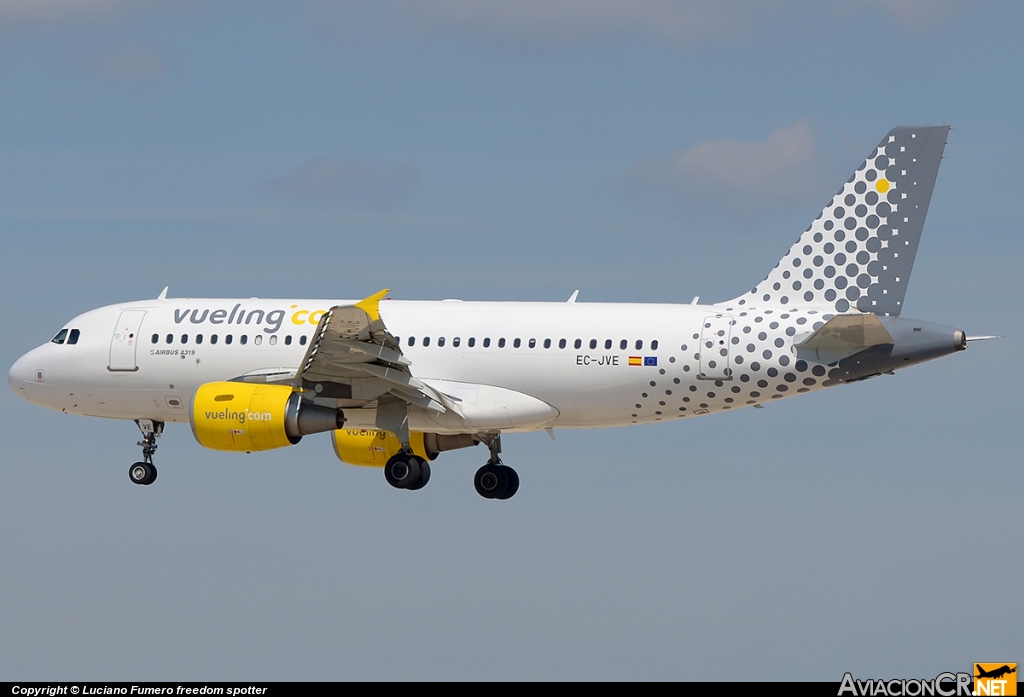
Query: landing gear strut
[[145, 472], [495, 480], [404, 470]]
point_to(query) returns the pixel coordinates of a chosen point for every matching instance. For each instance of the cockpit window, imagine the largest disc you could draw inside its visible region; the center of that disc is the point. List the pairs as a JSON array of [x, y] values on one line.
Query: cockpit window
[[61, 336], [73, 337]]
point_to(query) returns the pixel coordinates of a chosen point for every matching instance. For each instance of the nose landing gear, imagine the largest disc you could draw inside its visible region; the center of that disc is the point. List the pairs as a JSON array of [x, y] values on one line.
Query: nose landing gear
[[145, 472]]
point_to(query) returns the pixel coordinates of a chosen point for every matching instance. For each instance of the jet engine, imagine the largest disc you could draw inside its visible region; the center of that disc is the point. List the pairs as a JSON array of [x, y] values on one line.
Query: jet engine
[[246, 417], [372, 448]]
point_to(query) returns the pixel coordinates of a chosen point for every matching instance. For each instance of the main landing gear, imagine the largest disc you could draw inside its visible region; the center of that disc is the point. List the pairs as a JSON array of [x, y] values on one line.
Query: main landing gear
[[145, 472], [407, 471], [495, 480]]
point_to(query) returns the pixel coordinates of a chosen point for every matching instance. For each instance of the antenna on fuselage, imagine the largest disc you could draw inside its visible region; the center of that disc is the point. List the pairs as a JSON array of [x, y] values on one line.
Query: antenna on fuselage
[[572, 298], [163, 294]]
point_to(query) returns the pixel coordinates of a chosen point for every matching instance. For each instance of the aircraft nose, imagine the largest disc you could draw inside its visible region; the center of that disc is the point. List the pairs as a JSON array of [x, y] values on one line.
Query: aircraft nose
[[19, 374]]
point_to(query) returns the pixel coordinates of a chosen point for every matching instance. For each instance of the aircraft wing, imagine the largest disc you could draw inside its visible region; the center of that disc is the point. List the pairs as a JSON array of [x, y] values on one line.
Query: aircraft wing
[[353, 356]]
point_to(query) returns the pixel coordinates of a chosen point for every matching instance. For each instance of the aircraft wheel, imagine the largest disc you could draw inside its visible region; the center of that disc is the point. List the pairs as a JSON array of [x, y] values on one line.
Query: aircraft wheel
[[402, 471], [142, 473], [513, 483], [491, 481], [424, 474]]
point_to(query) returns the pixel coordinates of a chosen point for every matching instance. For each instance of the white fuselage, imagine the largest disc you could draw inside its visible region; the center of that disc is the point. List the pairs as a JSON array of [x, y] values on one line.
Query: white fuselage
[[596, 364]]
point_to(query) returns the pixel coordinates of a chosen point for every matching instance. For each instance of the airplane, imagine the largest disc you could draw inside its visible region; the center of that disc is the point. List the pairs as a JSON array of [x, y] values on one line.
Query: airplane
[[398, 382], [995, 673]]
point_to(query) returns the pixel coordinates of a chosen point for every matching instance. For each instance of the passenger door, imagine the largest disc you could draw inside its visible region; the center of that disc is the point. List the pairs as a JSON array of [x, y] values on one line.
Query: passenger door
[[125, 341]]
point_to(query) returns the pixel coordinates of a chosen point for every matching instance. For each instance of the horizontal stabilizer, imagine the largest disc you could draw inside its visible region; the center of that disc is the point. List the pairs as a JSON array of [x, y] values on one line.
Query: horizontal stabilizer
[[842, 336]]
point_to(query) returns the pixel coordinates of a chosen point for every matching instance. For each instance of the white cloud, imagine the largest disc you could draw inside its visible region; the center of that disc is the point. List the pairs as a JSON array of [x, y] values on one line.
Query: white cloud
[[915, 13], [779, 170], [363, 181], [554, 21], [566, 22], [56, 11], [128, 63], [54, 14]]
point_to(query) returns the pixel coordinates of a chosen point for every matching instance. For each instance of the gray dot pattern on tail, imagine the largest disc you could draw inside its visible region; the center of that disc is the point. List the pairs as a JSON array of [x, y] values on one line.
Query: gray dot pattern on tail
[[858, 253]]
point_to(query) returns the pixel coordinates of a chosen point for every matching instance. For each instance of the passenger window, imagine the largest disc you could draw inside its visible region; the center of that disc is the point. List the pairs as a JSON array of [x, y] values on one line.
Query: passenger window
[[578, 343], [472, 342], [288, 340], [273, 339], [547, 343], [184, 338], [426, 341], [170, 338], [440, 341], [156, 338], [244, 339], [501, 342], [213, 339], [258, 339], [61, 335], [227, 339], [561, 343], [456, 341], [639, 344], [199, 338], [654, 345], [607, 344], [623, 344], [412, 341], [487, 342], [593, 343], [73, 337], [517, 343], [302, 340], [533, 343]]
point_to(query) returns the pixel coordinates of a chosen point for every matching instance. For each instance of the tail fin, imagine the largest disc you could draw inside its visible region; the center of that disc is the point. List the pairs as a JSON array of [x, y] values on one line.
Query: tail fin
[[860, 249]]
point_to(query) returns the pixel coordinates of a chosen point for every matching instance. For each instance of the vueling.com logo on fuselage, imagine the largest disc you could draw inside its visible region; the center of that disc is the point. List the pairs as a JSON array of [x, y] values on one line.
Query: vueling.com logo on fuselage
[[271, 321], [239, 416]]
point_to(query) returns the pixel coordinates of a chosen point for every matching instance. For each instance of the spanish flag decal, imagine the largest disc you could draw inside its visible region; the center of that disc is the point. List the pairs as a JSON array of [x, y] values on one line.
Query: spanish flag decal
[[636, 360]]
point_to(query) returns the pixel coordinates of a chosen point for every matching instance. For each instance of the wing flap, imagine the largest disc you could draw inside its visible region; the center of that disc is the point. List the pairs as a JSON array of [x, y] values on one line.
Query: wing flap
[[352, 347]]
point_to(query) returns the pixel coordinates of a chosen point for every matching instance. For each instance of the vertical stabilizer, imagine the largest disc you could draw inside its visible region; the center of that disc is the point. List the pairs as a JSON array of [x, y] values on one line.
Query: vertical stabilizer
[[859, 251]]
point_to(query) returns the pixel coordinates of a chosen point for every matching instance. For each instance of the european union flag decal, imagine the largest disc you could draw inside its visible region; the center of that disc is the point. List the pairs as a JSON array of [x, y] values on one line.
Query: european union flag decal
[[651, 360]]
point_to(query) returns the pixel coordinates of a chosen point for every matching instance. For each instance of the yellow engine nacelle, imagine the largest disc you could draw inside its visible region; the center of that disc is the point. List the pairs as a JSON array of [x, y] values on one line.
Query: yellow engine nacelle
[[371, 448], [246, 417], [368, 447]]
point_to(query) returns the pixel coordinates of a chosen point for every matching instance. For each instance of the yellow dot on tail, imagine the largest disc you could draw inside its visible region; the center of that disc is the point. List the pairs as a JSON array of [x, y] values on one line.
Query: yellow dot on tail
[[882, 185]]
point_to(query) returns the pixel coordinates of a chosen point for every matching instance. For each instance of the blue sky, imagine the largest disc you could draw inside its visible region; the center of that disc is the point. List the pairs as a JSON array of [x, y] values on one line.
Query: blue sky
[[646, 151]]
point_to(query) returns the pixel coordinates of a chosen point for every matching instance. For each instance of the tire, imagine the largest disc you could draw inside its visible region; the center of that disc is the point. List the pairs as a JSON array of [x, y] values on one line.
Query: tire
[[142, 473], [424, 475], [513, 483], [402, 471], [491, 481]]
